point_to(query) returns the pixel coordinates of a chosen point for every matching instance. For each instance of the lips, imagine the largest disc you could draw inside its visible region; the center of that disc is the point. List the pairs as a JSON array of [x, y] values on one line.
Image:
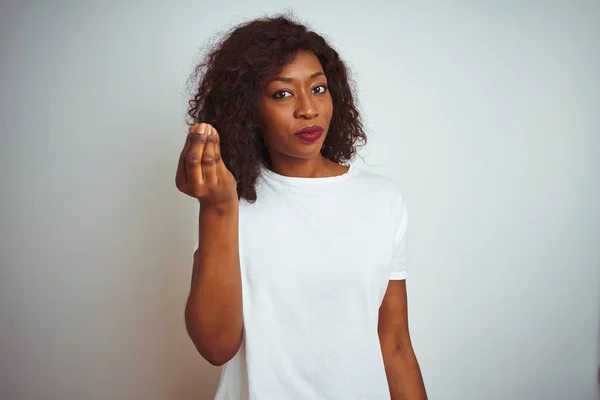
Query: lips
[[311, 129], [309, 137], [309, 134]]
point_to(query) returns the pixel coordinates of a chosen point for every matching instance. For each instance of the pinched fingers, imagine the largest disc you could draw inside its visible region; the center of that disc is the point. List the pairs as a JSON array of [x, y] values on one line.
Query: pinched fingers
[[192, 157], [181, 176], [211, 157], [201, 172]]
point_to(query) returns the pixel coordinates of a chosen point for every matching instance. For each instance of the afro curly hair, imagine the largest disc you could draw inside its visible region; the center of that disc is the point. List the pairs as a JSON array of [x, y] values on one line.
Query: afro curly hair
[[228, 82]]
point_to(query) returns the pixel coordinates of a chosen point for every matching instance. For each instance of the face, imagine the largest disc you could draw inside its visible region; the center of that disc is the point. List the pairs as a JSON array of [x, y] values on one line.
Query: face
[[294, 100]]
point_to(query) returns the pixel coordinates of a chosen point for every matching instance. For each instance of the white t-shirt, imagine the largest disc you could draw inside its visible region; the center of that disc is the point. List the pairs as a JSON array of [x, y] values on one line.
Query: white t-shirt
[[316, 256]]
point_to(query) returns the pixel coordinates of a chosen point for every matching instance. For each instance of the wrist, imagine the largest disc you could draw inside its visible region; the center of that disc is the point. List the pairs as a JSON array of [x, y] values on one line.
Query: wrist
[[224, 208]]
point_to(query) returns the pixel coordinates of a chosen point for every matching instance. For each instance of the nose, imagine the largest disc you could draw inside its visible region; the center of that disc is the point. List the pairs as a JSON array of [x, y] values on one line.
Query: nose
[[305, 107]]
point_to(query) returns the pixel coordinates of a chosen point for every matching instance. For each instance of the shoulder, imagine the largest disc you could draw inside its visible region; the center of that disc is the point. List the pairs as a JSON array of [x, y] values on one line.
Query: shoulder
[[379, 184]]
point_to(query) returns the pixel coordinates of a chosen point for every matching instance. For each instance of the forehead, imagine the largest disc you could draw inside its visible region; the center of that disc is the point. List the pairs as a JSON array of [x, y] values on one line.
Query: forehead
[[303, 64]]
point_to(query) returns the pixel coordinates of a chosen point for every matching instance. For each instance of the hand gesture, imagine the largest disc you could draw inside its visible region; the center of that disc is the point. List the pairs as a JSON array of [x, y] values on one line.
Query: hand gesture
[[201, 172]]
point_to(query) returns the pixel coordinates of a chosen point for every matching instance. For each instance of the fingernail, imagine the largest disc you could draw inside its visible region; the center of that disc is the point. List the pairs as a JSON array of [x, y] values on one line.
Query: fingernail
[[209, 133], [201, 131]]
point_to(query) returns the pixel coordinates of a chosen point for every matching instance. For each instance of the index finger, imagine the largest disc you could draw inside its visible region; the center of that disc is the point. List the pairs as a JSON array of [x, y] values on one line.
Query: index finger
[[193, 159], [193, 146]]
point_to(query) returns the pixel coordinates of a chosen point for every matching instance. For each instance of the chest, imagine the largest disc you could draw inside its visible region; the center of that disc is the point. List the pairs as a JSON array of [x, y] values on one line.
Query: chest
[[318, 249]]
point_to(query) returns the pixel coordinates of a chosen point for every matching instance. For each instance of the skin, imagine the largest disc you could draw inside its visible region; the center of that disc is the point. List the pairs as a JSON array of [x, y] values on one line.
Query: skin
[[294, 98], [401, 365], [213, 312]]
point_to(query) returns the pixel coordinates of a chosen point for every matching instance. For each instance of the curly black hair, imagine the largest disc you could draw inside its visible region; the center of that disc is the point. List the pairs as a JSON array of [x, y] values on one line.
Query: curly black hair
[[230, 78]]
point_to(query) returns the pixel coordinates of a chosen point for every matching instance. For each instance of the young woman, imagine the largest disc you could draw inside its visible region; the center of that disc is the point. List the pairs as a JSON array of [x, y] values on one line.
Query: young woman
[[298, 283]]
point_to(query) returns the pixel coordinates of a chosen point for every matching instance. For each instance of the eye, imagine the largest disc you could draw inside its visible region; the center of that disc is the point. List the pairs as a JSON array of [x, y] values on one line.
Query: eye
[[320, 89], [281, 94]]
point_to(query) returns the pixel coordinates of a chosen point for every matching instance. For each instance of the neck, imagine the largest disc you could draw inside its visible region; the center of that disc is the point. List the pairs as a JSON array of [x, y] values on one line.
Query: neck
[[316, 167]]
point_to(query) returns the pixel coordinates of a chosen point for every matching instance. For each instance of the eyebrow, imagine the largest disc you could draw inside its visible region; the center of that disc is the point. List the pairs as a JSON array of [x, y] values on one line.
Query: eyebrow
[[288, 80]]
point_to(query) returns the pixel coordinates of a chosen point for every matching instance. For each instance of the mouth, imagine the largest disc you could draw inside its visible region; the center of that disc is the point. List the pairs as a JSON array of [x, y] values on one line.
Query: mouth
[[309, 133]]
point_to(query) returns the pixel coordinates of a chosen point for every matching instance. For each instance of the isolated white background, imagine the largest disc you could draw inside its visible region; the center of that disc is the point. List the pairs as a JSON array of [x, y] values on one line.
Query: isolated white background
[[486, 113]]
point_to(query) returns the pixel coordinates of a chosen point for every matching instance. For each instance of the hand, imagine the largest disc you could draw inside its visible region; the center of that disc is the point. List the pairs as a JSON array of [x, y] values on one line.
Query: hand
[[201, 172]]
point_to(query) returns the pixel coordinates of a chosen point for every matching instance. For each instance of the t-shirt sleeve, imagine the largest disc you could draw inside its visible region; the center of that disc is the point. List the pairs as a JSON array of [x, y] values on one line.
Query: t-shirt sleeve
[[400, 246]]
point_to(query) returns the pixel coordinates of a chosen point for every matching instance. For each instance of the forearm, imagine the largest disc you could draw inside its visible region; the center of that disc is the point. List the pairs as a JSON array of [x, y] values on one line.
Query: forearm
[[214, 308], [404, 375]]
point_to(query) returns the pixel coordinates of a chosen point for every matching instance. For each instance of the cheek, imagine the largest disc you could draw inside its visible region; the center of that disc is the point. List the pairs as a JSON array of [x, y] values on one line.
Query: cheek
[[328, 109], [274, 119], [329, 104], [272, 125]]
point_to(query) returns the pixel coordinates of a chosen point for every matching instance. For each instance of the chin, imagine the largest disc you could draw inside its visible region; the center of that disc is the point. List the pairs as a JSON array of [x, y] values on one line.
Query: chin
[[306, 153]]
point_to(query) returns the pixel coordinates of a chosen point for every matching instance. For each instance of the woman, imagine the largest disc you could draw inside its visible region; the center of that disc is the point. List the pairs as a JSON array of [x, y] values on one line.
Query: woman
[[298, 284]]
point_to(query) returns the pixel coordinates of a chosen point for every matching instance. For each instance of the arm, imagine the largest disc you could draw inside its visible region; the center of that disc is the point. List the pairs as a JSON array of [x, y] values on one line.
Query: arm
[[401, 366], [213, 312]]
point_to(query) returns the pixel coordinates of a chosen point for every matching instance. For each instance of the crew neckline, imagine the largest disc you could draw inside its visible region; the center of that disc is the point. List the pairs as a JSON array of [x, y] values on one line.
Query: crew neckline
[[308, 181]]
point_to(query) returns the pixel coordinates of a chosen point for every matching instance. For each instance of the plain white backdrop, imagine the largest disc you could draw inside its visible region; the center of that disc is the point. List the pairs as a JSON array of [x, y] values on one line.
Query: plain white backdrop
[[486, 113]]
